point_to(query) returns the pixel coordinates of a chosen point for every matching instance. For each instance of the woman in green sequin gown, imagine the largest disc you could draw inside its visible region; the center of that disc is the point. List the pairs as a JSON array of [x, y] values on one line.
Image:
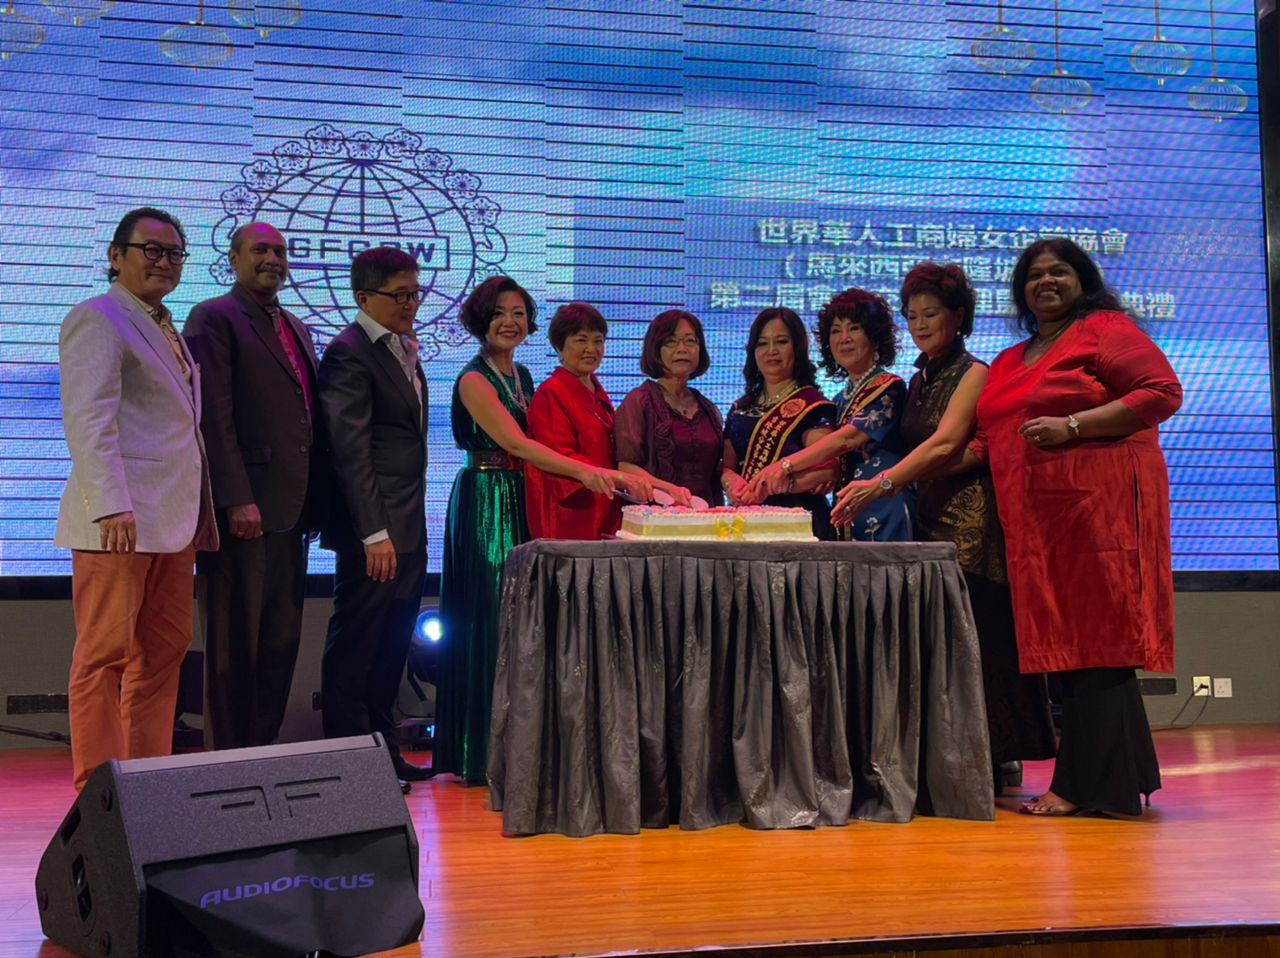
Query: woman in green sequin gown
[[486, 517]]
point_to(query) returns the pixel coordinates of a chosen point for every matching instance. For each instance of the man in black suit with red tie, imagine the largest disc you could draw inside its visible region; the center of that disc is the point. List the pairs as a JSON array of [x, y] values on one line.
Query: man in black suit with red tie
[[267, 465], [374, 397]]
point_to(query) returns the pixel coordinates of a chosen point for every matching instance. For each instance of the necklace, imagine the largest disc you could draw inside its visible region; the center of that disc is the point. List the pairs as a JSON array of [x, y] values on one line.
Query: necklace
[[766, 402], [685, 405], [1045, 340], [516, 396], [851, 389]]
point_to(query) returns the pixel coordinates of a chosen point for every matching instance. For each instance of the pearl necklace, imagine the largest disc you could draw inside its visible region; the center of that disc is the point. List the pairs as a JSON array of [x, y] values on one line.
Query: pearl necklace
[[517, 396], [852, 389]]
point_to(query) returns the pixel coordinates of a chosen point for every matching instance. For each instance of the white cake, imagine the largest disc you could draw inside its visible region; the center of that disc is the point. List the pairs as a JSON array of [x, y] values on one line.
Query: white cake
[[739, 524]]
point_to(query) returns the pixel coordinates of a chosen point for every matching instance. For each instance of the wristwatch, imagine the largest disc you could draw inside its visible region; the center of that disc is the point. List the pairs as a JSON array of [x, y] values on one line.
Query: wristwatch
[[886, 484], [1073, 426]]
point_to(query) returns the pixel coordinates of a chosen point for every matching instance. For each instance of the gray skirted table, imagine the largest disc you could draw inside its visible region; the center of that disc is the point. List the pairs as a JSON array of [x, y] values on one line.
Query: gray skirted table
[[782, 685]]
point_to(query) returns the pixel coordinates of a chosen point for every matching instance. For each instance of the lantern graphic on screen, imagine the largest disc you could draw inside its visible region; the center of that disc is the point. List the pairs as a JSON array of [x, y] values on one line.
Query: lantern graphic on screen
[[1215, 96], [196, 44], [1000, 50], [1159, 58], [1060, 91], [19, 33], [265, 17], [78, 11]]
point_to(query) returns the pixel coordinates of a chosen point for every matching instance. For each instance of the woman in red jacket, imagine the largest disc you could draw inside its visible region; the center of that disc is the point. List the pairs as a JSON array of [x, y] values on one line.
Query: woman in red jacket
[[571, 414], [1068, 420]]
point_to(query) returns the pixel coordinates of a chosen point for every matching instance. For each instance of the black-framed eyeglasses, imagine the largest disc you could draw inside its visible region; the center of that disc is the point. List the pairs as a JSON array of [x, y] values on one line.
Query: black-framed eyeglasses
[[403, 297], [154, 252]]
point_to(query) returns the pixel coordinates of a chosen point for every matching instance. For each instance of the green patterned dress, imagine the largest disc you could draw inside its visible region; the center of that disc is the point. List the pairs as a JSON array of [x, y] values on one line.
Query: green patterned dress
[[486, 520]]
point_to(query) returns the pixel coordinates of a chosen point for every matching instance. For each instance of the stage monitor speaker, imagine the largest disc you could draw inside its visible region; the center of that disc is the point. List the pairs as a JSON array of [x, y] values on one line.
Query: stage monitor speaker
[[254, 852]]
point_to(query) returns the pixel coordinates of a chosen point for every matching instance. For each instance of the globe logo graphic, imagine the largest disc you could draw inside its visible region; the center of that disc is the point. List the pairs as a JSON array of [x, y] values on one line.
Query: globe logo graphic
[[334, 194]]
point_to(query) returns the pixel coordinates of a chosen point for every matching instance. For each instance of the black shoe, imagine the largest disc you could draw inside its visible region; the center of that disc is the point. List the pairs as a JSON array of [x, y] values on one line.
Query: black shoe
[[408, 772], [405, 787], [1008, 775]]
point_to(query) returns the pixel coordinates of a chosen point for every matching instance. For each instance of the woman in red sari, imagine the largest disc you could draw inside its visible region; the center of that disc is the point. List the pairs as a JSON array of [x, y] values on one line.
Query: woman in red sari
[[571, 414], [1068, 421]]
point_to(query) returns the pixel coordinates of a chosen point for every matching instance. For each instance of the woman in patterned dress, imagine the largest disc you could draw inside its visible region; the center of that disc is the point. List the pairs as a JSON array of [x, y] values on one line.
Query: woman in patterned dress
[[940, 418], [858, 339]]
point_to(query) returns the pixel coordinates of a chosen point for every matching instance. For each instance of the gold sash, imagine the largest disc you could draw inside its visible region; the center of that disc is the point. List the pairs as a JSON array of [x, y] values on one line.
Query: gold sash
[[775, 428], [878, 385]]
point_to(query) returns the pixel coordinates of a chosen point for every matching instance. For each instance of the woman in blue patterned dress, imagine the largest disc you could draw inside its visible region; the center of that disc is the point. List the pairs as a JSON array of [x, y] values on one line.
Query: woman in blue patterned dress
[[858, 338]]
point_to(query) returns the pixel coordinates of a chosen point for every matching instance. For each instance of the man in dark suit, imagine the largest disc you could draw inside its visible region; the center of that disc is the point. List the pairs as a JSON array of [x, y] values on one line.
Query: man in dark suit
[[374, 397], [258, 367]]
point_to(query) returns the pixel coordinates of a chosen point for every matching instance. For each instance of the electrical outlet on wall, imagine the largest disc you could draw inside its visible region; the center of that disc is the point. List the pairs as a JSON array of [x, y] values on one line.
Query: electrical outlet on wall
[[1201, 685], [1222, 688]]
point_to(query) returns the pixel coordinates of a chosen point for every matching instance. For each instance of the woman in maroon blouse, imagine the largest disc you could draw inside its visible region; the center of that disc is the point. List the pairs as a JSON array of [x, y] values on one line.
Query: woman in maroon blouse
[[664, 427], [571, 414]]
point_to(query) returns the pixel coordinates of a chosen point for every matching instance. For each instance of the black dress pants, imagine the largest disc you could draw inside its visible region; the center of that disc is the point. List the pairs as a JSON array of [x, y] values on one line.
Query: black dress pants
[[1106, 757], [367, 643], [253, 623]]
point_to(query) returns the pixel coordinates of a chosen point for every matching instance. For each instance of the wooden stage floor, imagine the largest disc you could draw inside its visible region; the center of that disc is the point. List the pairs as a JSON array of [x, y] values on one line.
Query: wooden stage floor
[[1199, 876]]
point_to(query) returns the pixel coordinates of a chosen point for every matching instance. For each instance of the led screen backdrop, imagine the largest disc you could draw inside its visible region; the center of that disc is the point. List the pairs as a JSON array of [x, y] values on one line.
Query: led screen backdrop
[[643, 155]]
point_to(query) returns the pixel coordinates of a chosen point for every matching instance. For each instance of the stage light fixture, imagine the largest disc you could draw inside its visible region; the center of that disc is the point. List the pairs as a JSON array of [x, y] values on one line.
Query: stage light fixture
[[429, 628]]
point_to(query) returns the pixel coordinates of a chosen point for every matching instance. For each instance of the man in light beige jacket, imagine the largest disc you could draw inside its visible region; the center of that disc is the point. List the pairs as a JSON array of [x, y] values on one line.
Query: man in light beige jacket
[[136, 505]]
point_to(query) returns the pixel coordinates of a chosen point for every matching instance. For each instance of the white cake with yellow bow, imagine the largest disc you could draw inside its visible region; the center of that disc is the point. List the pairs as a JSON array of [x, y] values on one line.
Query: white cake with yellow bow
[[736, 524]]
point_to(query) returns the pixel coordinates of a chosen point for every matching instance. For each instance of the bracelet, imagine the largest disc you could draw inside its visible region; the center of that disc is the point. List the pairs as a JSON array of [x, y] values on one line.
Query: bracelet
[[791, 481], [1073, 426], [786, 466]]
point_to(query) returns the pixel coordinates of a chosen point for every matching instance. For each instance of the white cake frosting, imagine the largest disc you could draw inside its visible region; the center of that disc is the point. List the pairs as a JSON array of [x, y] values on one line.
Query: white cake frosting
[[732, 524]]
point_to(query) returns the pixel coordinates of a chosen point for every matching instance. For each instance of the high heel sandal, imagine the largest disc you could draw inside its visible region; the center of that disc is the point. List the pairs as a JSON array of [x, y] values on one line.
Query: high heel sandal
[[1129, 816], [1062, 810]]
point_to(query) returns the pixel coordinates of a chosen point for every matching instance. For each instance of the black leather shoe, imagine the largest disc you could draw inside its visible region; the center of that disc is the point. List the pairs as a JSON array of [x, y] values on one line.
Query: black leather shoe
[[1008, 775], [408, 772], [405, 787]]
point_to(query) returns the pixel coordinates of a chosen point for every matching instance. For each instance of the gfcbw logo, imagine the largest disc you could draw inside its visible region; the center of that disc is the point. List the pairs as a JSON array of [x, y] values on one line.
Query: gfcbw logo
[[333, 194], [334, 883]]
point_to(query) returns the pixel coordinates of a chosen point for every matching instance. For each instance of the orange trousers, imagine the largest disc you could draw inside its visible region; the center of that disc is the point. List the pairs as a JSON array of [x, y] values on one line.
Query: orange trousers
[[133, 627]]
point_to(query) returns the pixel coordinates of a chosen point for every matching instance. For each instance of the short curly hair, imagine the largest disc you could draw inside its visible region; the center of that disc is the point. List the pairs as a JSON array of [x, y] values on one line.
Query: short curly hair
[[868, 311], [572, 318], [476, 314], [948, 282], [663, 327]]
